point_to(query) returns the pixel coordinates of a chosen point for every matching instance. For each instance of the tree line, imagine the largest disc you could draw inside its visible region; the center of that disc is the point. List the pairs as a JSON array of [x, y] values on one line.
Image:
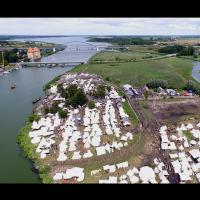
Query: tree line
[[179, 49], [124, 40]]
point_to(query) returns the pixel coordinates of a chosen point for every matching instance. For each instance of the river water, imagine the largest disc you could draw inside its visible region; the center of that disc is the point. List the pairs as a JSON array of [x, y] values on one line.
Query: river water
[[16, 106], [196, 71]]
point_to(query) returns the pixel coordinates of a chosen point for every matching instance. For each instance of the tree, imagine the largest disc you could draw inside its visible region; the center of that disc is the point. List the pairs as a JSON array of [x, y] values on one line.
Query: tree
[[72, 89], [79, 98], [91, 104]]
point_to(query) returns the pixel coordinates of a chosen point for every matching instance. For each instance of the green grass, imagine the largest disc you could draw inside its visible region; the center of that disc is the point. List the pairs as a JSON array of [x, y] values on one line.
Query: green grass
[[123, 56], [131, 154], [50, 83], [175, 71], [130, 112], [144, 48], [188, 135]]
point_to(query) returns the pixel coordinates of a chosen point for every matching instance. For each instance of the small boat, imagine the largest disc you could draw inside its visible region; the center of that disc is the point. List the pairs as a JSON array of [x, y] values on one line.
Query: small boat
[[36, 100], [13, 87]]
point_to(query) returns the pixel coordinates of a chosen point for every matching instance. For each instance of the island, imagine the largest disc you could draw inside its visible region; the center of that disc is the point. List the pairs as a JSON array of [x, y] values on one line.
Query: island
[[127, 116]]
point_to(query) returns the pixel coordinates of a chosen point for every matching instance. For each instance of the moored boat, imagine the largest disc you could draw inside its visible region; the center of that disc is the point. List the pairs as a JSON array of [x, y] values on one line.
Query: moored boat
[[13, 87]]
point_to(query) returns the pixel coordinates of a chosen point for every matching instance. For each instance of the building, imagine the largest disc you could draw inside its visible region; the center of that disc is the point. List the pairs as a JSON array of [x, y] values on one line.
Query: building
[[33, 53]]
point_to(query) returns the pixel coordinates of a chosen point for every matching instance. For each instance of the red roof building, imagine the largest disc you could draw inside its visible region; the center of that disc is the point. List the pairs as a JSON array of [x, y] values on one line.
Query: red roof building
[[33, 53]]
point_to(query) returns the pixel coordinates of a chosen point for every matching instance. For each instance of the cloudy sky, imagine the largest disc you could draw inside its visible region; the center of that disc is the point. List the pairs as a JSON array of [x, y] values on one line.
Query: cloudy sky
[[100, 26]]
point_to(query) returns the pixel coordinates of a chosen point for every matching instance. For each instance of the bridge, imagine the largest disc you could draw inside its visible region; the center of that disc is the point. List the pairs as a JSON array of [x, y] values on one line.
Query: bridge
[[65, 63], [81, 43]]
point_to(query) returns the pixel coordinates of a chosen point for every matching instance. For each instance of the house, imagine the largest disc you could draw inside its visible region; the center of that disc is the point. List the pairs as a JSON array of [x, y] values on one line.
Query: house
[[33, 53]]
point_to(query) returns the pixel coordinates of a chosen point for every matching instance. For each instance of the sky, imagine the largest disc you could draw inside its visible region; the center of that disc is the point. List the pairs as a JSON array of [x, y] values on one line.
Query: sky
[[100, 26]]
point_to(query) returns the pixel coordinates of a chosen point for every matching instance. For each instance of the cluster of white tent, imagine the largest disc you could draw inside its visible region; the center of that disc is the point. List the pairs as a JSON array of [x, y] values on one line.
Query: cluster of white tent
[[75, 172], [70, 137], [145, 174], [42, 133], [113, 94], [165, 142], [83, 80], [110, 120], [161, 170], [91, 136], [186, 156]]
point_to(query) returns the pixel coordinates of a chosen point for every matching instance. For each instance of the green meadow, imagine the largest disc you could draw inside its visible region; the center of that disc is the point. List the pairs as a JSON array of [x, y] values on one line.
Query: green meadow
[[175, 71]]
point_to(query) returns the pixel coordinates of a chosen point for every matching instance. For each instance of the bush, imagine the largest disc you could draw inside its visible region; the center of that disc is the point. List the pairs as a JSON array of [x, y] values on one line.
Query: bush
[[157, 83], [107, 78], [54, 108], [46, 110], [195, 56], [91, 104], [101, 91], [60, 89], [62, 113], [34, 117], [108, 88]]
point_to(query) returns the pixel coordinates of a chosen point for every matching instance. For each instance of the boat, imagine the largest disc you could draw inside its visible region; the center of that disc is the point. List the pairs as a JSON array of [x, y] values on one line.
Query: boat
[[13, 87], [36, 100]]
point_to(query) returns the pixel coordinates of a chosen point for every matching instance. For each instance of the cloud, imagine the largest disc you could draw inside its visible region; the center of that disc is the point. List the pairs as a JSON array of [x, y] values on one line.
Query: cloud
[[100, 26]]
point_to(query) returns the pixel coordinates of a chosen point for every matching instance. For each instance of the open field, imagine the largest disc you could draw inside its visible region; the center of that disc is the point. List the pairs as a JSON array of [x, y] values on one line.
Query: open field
[[174, 70], [144, 48], [171, 110], [122, 56], [185, 41]]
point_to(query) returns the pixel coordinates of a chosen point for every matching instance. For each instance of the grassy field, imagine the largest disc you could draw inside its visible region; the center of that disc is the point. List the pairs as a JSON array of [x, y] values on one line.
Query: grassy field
[[143, 48], [175, 71], [122, 56]]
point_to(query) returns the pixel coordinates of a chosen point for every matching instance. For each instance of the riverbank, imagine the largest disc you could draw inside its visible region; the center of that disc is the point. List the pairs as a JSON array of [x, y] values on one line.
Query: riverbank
[[28, 148]]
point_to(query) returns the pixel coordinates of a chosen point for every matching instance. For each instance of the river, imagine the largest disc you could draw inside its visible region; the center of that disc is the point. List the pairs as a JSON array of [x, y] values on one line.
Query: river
[[16, 106]]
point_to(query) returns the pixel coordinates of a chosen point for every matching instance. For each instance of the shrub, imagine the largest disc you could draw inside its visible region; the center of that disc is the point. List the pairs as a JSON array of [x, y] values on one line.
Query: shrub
[[34, 117], [60, 89], [91, 104], [108, 88], [62, 113], [157, 83], [46, 110], [54, 108], [101, 91], [107, 78]]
